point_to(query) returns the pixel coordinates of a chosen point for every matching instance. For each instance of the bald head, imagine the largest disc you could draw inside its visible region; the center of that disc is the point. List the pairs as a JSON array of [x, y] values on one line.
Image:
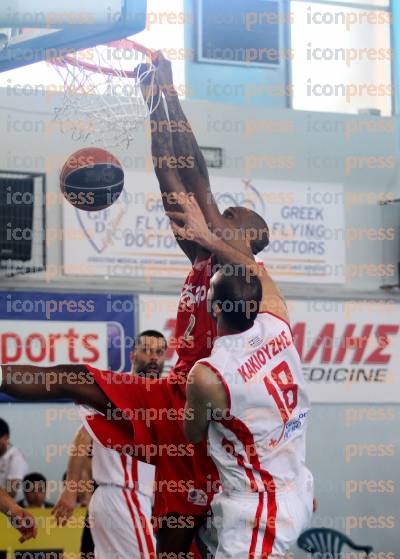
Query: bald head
[[235, 296], [251, 225], [258, 232]]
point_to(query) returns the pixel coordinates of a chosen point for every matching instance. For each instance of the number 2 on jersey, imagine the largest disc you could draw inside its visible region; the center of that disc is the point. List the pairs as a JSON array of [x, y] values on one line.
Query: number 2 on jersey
[[192, 321], [286, 386]]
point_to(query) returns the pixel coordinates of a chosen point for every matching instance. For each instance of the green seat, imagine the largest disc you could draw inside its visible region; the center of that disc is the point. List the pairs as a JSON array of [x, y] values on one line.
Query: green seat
[[326, 541]]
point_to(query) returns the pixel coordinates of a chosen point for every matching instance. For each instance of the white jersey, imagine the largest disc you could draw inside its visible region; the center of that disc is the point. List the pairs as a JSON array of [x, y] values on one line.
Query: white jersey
[[13, 465], [260, 445], [120, 508], [111, 468]]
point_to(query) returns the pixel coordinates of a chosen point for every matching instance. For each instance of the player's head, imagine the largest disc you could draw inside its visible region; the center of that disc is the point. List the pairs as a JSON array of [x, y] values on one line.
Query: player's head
[[148, 355], [34, 486], [252, 227], [4, 436], [234, 297]]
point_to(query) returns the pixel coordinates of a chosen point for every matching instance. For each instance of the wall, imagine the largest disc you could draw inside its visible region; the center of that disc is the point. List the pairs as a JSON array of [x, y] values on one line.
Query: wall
[[357, 487], [357, 151], [396, 42]]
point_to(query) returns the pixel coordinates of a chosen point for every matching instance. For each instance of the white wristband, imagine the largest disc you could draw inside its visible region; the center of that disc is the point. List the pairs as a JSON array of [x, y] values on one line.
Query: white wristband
[[1, 376]]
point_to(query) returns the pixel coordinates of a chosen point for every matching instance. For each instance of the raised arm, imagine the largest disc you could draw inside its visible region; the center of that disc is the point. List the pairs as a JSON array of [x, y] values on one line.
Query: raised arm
[[196, 229], [165, 161], [195, 175]]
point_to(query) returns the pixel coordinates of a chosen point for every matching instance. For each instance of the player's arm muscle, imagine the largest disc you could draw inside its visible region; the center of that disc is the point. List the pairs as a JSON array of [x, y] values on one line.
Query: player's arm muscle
[[80, 451], [193, 171], [67, 501], [204, 395], [50, 383], [165, 164], [194, 177]]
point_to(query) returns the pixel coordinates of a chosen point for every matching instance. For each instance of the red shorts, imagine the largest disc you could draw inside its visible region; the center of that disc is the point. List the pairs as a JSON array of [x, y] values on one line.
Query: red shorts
[[148, 423]]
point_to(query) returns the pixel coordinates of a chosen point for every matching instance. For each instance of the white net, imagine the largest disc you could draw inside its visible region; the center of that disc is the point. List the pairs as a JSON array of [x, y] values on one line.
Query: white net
[[103, 102]]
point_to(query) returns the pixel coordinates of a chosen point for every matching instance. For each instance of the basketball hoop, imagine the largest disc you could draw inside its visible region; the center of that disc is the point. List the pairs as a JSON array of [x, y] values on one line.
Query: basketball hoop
[[103, 101]]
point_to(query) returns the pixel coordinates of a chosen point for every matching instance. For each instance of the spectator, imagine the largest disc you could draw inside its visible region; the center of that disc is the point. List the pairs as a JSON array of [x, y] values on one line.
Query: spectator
[[34, 487], [120, 509], [13, 465]]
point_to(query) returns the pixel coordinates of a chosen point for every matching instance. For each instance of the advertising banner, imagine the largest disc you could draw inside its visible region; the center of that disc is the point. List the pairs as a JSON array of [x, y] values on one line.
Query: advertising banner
[[53, 329], [350, 350], [132, 238]]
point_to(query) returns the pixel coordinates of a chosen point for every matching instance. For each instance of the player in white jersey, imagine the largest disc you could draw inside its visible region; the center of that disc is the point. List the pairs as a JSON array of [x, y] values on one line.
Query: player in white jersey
[[120, 508], [249, 400]]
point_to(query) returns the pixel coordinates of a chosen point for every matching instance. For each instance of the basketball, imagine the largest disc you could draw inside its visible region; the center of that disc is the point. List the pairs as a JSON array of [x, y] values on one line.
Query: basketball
[[91, 179]]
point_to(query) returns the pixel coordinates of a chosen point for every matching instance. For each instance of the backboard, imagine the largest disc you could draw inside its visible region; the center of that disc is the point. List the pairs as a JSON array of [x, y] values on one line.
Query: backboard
[[38, 30]]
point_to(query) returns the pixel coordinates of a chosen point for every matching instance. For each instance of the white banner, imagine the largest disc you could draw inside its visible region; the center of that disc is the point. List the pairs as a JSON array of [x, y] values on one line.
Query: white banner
[[350, 350], [132, 238]]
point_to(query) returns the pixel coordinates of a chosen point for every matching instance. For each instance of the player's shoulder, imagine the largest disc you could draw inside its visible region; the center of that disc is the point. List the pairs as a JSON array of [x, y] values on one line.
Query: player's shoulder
[[271, 324], [275, 318], [202, 376]]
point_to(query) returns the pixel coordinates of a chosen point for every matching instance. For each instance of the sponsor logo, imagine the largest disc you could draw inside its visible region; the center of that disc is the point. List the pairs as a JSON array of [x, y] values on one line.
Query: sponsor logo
[[197, 497]]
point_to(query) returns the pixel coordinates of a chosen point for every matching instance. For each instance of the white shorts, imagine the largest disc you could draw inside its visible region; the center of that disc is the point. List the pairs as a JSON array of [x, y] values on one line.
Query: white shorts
[[257, 526], [120, 524]]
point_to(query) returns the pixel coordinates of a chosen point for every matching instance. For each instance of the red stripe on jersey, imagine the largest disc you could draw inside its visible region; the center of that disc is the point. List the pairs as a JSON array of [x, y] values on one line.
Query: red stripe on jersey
[[256, 527], [134, 482], [144, 523], [253, 485], [270, 531], [139, 540], [240, 461], [245, 436], [221, 378], [135, 473]]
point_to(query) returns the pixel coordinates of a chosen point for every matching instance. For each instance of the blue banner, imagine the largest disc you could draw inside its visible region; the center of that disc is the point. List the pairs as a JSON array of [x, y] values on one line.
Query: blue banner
[[64, 328]]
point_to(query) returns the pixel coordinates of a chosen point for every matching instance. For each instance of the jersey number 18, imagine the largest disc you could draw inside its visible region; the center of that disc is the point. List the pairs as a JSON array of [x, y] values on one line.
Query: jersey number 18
[[286, 400]]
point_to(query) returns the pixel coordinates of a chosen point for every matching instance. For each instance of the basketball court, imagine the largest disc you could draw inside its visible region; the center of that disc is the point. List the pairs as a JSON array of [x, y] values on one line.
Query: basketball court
[[294, 104]]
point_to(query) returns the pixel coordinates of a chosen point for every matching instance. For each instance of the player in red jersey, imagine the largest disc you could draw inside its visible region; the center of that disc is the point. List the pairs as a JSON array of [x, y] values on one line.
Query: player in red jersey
[[147, 414], [174, 145]]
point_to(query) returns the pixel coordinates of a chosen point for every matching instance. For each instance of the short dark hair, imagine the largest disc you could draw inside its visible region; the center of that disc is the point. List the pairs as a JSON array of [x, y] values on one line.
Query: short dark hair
[[238, 295], [149, 334], [4, 428], [33, 477]]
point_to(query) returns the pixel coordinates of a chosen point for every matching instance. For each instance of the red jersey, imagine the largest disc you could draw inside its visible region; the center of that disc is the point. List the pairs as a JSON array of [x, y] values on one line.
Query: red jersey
[[195, 329]]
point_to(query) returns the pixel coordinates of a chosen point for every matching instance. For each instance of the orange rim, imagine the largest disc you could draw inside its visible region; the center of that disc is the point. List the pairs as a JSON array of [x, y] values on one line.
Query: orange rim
[[127, 44]]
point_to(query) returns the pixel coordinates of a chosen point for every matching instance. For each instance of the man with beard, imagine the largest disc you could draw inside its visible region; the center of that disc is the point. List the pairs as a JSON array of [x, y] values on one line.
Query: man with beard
[[120, 508]]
